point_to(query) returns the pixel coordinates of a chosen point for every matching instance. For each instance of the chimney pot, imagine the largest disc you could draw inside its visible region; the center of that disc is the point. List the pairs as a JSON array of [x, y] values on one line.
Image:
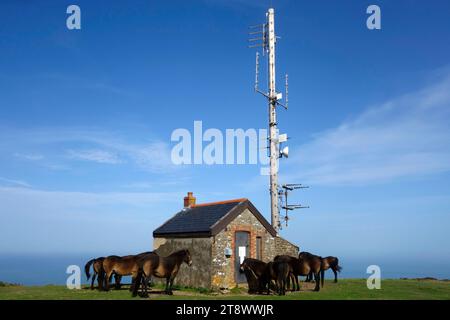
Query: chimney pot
[[189, 200]]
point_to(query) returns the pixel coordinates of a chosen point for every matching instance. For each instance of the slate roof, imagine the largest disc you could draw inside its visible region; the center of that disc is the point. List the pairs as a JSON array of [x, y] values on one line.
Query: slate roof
[[208, 219]]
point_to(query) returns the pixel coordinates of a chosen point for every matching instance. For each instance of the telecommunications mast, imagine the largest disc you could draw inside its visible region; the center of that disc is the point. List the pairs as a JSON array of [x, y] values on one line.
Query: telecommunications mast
[[264, 36]]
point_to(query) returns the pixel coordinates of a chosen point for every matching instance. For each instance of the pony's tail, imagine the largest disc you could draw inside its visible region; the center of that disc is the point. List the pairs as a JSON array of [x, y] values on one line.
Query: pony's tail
[[87, 267], [283, 275], [137, 282], [338, 267]]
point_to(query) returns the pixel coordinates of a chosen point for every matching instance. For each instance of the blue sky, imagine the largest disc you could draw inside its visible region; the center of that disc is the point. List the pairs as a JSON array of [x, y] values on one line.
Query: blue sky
[[86, 118]]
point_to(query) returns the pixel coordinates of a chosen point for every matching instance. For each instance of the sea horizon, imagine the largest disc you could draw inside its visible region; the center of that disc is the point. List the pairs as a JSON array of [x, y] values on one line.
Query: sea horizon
[[50, 269]]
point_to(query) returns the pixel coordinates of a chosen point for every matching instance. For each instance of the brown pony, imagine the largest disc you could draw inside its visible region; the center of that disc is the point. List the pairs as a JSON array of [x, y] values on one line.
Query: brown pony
[[308, 256], [279, 272], [255, 272], [97, 267], [330, 263], [161, 267], [123, 266], [302, 267]]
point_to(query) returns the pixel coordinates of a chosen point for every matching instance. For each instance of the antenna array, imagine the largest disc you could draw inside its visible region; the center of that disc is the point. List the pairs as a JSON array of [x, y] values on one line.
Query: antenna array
[[263, 35]]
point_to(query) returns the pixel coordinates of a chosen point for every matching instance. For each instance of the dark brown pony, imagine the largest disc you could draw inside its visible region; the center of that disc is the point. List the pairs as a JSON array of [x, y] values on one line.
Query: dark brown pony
[[330, 263], [97, 267], [302, 267], [278, 271], [161, 267], [308, 256], [255, 273], [123, 266]]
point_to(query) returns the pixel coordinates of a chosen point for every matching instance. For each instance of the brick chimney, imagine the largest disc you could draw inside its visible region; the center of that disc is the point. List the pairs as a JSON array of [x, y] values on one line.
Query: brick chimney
[[189, 200]]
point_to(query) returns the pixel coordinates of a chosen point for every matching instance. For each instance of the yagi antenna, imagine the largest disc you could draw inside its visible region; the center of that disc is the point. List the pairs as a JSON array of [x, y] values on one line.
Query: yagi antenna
[[257, 71], [257, 77], [283, 193], [259, 41], [286, 84]]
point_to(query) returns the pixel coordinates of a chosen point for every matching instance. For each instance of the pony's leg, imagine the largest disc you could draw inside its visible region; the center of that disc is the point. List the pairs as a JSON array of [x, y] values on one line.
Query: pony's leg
[[281, 288], [150, 282], [322, 276], [335, 274], [259, 285], [171, 284], [100, 280], [137, 283], [145, 285], [92, 283], [117, 279], [107, 280], [133, 283], [167, 285], [317, 280], [290, 278], [289, 281]]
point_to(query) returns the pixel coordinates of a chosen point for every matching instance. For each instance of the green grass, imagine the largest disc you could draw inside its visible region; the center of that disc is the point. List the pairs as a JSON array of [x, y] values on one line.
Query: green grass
[[345, 289]]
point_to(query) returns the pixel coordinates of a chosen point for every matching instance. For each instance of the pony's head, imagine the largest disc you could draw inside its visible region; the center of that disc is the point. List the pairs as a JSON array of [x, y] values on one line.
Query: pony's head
[[244, 266], [187, 257]]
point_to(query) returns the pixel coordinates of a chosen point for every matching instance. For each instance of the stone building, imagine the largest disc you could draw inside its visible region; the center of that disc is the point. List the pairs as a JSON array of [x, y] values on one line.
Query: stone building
[[219, 236]]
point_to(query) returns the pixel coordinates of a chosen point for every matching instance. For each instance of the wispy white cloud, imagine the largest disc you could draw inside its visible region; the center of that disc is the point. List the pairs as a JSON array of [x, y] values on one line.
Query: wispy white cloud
[[100, 156], [97, 145], [14, 182], [154, 156], [29, 156], [404, 137]]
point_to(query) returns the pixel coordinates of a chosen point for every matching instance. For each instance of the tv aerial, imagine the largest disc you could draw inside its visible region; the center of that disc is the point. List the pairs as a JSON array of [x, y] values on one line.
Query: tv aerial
[[283, 193]]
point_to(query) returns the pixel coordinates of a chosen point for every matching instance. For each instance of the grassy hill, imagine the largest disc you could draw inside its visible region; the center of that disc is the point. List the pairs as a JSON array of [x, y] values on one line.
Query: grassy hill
[[345, 289]]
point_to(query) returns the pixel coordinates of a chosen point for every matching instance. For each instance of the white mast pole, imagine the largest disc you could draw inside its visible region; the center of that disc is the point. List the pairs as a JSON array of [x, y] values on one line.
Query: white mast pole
[[274, 153]]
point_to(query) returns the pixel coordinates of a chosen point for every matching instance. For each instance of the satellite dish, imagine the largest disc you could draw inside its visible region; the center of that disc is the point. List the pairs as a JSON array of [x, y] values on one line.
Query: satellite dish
[[285, 152]]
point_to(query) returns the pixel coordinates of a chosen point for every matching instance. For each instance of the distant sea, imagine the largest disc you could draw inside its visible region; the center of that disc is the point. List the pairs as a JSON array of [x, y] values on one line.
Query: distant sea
[[51, 268]]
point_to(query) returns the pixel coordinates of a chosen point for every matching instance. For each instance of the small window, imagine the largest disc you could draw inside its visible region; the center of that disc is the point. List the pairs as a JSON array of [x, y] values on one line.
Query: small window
[[259, 254]]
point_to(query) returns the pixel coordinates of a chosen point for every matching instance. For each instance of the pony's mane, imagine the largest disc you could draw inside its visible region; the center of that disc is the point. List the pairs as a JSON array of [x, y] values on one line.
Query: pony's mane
[[179, 252], [253, 259]]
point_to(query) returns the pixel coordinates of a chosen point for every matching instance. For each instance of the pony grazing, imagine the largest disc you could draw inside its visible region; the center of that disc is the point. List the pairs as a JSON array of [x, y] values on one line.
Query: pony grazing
[[123, 266], [160, 267], [330, 263], [255, 272], [277, 271]]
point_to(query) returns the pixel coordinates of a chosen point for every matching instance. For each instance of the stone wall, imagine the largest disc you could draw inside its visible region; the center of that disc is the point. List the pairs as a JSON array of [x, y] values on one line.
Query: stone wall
[[222, 268], [278, 246], [198, 275], [282, 246]]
